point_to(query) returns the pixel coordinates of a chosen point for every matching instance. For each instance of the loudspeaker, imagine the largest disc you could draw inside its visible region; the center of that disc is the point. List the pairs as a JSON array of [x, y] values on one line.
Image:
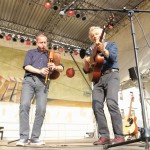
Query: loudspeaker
[[133, 73]]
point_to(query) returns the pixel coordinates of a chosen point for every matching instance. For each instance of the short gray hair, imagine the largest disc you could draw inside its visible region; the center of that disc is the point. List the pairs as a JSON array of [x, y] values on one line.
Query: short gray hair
[[40, 35], [93, 28]]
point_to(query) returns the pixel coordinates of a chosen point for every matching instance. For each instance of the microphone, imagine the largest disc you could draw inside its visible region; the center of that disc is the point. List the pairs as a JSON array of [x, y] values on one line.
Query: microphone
[[67, 8], [82, 53]]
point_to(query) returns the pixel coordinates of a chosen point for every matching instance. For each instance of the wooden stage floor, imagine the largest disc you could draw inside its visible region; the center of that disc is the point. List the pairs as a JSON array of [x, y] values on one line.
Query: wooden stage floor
[[69, 144]]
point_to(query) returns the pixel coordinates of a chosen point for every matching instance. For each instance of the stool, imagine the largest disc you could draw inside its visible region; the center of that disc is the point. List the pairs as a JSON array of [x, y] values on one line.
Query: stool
[[1, 131]]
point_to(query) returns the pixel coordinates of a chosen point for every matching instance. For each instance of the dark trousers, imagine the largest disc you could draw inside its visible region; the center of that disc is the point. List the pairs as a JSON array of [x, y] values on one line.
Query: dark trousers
[[107, 89], [32, 86]]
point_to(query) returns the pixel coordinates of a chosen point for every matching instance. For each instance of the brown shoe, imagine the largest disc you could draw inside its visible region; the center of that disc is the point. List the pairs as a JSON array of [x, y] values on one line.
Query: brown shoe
[[102, 141], [117, 140]]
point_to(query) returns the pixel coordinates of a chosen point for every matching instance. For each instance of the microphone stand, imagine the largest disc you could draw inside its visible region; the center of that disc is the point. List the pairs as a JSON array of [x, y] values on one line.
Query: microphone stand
[[67, 8], [80, 70], [145, 133]]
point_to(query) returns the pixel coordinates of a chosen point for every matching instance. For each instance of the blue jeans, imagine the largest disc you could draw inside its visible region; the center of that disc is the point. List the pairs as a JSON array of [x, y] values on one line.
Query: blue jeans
[[32, 86], [107, 89]]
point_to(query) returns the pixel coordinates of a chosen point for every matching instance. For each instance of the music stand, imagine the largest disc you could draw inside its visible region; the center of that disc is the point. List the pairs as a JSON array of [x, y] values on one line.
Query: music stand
[[145, 133]]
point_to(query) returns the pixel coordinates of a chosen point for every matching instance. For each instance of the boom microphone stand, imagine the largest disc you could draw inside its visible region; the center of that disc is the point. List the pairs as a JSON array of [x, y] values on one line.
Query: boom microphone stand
[[145, 133], [80, 71]]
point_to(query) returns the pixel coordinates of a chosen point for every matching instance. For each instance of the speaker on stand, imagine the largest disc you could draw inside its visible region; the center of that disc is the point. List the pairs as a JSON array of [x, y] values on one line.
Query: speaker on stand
[[133, 73]]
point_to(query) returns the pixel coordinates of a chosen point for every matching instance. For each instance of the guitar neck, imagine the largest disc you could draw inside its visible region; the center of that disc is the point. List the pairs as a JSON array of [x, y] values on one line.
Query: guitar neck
[[130, 108], [102, 34]]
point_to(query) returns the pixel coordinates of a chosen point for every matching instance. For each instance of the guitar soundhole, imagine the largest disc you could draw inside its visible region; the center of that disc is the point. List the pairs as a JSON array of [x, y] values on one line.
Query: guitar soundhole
[[130, 120]]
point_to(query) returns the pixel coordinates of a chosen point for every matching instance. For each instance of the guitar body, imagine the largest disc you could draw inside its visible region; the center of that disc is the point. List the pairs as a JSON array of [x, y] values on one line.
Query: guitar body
[[97, 63], [95, 73], [129, 126]]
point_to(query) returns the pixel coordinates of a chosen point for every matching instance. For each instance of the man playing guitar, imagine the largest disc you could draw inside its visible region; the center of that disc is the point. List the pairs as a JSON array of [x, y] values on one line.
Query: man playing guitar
[[103, 56]]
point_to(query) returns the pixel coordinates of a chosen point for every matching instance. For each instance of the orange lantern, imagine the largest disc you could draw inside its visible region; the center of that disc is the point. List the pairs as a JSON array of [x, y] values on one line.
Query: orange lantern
[[70, 72]]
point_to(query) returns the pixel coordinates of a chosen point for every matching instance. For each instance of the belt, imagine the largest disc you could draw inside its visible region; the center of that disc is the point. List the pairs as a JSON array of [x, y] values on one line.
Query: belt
[[42, 79], [109, 71], [34, 76]]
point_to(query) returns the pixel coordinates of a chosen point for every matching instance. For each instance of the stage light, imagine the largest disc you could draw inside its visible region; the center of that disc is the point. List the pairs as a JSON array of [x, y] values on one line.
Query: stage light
[[34, 42], [14, 39], [78, 15], [3, 33], [55, 47], [49, 45], [71, 13], [71, 52], [55, 7], [84, 18], [1, 36], [21, 39], [82, 53], [47, 5], [66, 51]]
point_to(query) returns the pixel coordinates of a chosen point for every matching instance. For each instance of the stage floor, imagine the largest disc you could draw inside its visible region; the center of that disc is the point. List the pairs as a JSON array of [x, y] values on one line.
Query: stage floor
[[69, 144]]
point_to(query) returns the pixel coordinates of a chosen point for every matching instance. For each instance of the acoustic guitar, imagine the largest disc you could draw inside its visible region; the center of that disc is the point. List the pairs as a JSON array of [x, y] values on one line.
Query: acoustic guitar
[[129, 123], [96, 66]]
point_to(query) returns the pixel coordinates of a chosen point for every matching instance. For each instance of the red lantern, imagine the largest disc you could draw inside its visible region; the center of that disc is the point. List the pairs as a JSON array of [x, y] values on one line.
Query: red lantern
[[8, 38], [70, 72], [61, 49], [76, 53], [71, 13], [47, 5], [110, 27], [28, 43]]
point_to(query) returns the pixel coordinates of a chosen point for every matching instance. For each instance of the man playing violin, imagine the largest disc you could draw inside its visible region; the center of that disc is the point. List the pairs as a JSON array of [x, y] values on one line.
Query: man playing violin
[[36, 68], [106, 87]]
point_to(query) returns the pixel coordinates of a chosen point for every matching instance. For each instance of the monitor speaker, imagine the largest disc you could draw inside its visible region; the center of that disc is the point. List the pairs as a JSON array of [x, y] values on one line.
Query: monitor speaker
[[133, 73]]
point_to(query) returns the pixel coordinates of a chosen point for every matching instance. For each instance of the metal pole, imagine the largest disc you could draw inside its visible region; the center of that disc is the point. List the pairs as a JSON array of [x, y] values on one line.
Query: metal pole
[[146, 132]]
